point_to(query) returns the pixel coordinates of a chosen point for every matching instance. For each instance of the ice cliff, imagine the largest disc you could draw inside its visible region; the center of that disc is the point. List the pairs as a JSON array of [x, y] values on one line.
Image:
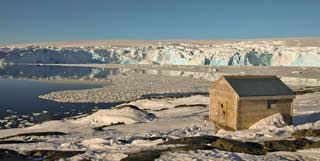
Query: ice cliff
[[242, 53]]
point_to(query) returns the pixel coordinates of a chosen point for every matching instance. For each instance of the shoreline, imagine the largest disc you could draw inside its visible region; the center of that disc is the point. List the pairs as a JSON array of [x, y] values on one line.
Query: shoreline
[[141, 124]]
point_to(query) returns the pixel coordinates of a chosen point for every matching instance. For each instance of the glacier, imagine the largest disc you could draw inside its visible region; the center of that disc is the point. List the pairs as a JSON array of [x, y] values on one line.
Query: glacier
[[234, 54]]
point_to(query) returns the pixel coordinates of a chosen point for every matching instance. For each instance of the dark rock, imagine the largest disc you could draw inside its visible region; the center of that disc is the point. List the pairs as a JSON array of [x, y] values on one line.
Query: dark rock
[[35, 134], [238, 146], [148, 155], [100, 128], [51, 155], [191, 105], [11, 155], [196, 140], [214, 142], [287, 145], [18, 141], [307, 133]]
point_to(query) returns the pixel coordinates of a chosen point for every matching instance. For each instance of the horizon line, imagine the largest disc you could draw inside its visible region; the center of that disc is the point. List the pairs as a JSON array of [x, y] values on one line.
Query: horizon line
[[60, 42]]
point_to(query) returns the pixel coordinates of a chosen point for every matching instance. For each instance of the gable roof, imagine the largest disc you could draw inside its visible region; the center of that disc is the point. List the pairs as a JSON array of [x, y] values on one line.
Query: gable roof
[[248, 86]]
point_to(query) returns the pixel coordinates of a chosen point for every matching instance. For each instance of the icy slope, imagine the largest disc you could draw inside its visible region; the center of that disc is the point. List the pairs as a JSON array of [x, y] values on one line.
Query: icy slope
[[268, 53]]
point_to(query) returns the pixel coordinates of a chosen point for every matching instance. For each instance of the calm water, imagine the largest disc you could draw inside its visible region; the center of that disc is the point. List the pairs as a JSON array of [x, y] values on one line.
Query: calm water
[[19, 91]]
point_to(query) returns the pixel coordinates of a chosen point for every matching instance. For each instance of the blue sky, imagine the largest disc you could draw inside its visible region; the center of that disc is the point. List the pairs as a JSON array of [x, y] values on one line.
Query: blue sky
[[56, 20]]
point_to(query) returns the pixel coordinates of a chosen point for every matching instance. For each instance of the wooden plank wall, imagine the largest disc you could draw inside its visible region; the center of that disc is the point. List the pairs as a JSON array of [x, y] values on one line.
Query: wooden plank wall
[[250, 112], [222, 93]]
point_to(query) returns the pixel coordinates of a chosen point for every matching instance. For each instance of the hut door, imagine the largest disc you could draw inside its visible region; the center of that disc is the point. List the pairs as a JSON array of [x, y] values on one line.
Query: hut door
[[223, 112]]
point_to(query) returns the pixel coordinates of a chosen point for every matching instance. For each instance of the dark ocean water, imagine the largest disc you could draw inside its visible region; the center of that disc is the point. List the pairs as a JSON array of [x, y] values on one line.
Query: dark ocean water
[[19, 90]]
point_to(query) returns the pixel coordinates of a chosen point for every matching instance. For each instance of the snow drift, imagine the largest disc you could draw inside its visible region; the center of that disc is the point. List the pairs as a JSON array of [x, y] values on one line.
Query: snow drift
[[126, 114], [273, 121]]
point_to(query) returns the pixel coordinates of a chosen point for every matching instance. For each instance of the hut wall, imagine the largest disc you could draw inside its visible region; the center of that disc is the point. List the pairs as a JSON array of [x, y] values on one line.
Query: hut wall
[[251, 111], [223, 105]]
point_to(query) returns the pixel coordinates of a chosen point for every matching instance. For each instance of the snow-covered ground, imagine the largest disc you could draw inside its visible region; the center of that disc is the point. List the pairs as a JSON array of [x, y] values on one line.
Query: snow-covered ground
[[147, 123]]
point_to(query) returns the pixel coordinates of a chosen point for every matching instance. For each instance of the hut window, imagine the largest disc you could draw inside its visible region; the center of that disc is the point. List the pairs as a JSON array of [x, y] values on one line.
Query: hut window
[[269, 103]]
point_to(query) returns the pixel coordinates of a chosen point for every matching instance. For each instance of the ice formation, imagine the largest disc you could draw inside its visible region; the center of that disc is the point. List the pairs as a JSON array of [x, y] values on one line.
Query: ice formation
[[243, 53]]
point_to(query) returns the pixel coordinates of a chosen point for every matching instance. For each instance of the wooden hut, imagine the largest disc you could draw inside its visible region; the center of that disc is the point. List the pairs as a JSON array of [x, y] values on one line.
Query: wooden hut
[[237, 102]]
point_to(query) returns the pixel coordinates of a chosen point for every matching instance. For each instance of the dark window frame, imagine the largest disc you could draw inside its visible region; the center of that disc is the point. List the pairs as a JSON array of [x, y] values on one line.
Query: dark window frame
[[270, 102]]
